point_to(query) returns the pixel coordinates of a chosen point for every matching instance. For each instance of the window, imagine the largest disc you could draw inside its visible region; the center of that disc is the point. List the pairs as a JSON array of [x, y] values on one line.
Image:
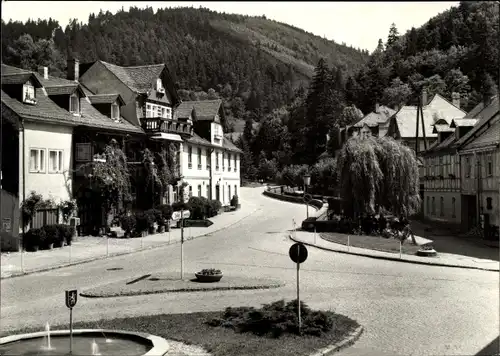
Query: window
[[37, 160], [168, 113], [453, 208], [159, 84], [149, 110], [209, 159], [229, 192], [229, 163], [489, 205], [115, 111], [489, 165], [217, 161], [433, 212], [209, 195], [74, 104], [55, 161], [441, 206], [199, 190], [29, 94], [83, 152], [190, 157], [236, 189], [190, 191], [428, 205], [235, 169], [199, 158], [223, 160], [159, 112], [467, 167]]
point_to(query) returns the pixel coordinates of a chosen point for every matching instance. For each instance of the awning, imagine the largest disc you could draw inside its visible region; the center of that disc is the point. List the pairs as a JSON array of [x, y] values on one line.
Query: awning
[[167, 136]]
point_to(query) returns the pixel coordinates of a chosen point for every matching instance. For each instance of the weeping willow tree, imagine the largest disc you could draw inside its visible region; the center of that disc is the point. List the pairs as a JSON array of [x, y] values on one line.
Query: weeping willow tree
[[378, 173]]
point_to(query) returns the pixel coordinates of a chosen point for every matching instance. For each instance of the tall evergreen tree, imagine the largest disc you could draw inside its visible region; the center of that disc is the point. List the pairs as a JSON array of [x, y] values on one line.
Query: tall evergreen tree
[[393, 35]]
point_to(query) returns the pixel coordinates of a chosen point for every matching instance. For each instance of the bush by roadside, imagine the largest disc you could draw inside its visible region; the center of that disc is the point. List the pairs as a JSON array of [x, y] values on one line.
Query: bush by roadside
[[48, 236]]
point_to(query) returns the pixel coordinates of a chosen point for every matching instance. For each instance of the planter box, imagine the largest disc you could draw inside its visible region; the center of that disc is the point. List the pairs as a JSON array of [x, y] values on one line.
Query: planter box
[[208, 278], [427, 253]]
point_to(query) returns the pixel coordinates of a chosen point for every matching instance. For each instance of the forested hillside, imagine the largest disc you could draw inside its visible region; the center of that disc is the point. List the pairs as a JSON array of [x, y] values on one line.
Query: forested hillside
[[254, 63]]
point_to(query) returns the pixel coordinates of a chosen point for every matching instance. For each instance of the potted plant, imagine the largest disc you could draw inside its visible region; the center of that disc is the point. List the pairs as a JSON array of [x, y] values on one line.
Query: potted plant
[[166, 215], [235, 202], [427, 250], [33, 240], [51, 236], [142, 224], [128, 224], [67, 207], [151, 218], [209, 275]]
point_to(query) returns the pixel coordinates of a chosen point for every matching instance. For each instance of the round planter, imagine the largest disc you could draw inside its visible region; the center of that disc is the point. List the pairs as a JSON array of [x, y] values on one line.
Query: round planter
[[208, 278], [32, 248], [151, 231], [427, 253], [58, 244], [160, 229]]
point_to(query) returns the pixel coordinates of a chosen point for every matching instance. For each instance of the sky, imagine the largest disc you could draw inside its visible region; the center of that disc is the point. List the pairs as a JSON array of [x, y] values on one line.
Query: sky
[[358, 24]]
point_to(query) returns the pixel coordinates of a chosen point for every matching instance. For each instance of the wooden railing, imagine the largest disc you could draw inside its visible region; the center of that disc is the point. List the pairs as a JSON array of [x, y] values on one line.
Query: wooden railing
[[158, 124]]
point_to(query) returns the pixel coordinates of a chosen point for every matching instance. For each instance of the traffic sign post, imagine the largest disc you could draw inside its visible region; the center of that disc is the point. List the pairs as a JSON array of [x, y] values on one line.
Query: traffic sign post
[[184, 215], [298, 254], [307, 199], [71, 298]]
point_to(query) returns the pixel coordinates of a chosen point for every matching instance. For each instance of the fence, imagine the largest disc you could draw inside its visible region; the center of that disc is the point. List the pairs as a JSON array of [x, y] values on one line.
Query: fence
[[44, 217]]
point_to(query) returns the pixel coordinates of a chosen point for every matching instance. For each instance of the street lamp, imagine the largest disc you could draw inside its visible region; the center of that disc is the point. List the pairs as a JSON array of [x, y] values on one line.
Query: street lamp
[[307, 181]]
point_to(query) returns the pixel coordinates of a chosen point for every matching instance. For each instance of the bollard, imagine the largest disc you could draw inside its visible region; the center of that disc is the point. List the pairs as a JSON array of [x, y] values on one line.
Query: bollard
[[400, 249], [22, 259], [70, 251], [315, 235], [107, 246], [348, 243]]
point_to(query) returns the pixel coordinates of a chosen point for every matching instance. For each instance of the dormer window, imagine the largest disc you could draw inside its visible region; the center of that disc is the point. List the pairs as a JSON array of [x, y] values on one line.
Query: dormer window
[[74, 104], [115, 111], [29, 94], [159, 86]]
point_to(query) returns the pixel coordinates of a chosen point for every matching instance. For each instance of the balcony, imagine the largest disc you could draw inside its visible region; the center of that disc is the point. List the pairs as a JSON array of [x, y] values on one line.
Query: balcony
[[162, 125]]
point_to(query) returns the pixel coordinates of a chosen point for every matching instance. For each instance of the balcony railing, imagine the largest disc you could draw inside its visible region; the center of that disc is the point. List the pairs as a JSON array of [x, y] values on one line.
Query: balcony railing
[[159, 124]]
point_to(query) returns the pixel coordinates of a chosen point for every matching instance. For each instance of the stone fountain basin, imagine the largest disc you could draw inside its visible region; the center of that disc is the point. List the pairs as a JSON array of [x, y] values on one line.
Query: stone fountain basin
[[122, 343]]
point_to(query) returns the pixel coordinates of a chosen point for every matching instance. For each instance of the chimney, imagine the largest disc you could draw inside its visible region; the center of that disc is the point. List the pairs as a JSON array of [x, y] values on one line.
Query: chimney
[[424, 97], [376, 108], [44, 71], [73, 71], [327, 138], [455, 97]]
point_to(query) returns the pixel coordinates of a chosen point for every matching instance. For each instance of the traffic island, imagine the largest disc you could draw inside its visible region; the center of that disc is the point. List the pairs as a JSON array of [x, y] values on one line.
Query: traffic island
[[171, 283], [193, 329]]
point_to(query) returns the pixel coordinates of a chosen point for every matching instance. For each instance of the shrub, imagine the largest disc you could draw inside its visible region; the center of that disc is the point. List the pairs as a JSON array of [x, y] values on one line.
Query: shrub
[[275, 319], [66, 233], [210, 272], [199, 207], [153, 216], [33, 239], [166, 213], [52, 235], [213, 207], [234, 201], [68, 207], [128, 223], [180, 206], [142, 222]]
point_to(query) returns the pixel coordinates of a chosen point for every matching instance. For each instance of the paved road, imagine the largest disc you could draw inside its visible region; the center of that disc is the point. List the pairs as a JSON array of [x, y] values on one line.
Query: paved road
[[406, 309]]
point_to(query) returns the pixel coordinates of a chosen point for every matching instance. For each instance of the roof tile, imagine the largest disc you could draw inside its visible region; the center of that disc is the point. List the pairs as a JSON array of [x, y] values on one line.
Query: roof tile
[[140, 78], [375, 118], [205, 110]]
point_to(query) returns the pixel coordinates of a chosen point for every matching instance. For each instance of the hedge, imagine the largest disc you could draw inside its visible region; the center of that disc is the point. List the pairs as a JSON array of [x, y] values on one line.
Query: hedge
[[315, 203]]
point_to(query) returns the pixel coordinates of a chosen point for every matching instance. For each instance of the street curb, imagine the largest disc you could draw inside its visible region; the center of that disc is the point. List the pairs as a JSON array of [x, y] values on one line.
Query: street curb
[[92, 259], [331, 349], [392, 258], [181, 290]]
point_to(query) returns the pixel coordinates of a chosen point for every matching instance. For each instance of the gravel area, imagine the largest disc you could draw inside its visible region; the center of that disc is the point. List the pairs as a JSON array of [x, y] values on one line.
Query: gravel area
[[170, 283]]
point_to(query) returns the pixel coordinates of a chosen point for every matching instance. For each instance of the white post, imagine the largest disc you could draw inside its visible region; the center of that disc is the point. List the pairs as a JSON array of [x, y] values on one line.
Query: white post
[[70, 252], [400, 249], [169, 233], [70, 331], [315, 235], [142, 241], [182, 247], [298, 291], [22, 259], [107, 246], [348, 243]]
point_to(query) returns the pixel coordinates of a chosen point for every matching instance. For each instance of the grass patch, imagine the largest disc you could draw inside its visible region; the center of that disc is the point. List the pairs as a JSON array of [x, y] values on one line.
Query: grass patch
[[371, 242], [224, 341]]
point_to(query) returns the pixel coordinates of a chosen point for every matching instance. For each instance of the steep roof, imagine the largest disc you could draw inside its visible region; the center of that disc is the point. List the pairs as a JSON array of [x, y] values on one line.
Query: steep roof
[[442, 128], [197, 140], [438, 108], [463, 122], [6, 70], [485, 115], [184, 110], [228, 145], [375, 118], [45, 109], [91, 117], [105, 98], [20, 78], [59, 86], [138, 78], [206, 110]]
